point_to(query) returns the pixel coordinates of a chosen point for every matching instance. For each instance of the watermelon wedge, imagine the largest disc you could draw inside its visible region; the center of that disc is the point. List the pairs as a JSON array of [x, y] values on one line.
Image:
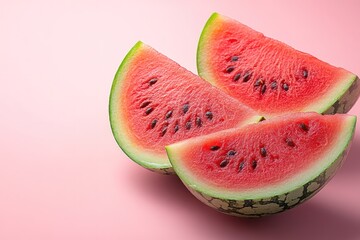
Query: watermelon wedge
[[268, 75], [155, 102], [267, 167]]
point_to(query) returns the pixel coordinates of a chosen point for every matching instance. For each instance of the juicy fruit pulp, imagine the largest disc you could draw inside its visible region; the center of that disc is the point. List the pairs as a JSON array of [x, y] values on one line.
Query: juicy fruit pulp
[[288, 158], [155, 102], [268, 75]]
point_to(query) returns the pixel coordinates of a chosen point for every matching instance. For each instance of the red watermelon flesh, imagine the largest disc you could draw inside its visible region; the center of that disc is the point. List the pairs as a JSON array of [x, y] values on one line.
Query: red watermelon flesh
[[155, 102], [263, 154], [268, 75], [266, 167]]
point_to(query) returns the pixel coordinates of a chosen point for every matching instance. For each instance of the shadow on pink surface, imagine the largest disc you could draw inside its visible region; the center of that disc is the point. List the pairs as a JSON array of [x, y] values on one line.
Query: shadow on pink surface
[[311, 220], [352, 164]]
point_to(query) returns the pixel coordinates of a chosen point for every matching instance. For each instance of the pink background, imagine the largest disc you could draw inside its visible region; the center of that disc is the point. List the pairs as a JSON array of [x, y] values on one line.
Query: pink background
[[62, 176]]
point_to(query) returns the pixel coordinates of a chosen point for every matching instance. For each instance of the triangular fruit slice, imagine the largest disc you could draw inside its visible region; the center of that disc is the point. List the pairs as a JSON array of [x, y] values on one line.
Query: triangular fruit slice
[[267, 167], [268, 75], [155, 102]]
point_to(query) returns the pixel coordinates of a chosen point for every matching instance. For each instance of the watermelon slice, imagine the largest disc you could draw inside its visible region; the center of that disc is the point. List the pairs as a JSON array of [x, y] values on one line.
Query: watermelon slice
[[267, 167], [268, 75], [155, 102]]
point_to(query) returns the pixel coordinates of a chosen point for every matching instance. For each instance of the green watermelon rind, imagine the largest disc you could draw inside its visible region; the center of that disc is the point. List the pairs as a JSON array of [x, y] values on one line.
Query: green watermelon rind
[[199, 51], [346, 99], [340, 99], [149, 161], [274, 199]]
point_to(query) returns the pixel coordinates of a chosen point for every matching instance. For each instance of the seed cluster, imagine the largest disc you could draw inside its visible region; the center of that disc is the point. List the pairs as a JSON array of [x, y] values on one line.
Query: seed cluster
[[252, 161], [259, 83], [164, 124], [230, 154]]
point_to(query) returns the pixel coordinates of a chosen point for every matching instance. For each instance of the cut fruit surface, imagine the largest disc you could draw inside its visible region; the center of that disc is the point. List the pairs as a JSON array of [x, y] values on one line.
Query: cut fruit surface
[[274, 165], [155, 102], [268, 75]]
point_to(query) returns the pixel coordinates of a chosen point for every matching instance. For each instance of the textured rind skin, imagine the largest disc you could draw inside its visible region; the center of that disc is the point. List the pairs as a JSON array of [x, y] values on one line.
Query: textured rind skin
[[347, 100], [164, 171], [273, 204]]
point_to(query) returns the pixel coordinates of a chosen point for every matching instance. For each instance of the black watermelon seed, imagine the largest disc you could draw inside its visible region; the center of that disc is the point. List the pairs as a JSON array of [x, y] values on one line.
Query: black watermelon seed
[[149, 110], [241, 165], [304, 127], [263, 89], [237, 77], [176, 128], [185, 108], [290, 142], [305, 73], [229, 69], [263, 152], [198, 121], [234, 58], [168, 114], [153, 123], [163, 131], [285, 86], [153, 81], [209, 115], [224, 163], [273, 85], [254, 164], [145, 104], [258, 82], [231, 153], [247, 76], [188, 125], [214, 148]]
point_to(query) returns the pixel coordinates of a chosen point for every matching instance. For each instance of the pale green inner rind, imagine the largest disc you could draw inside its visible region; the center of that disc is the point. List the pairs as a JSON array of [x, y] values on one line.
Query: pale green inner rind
[[118, 123], [254, 119], [328, 99], [201, 55], [333, 154]]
